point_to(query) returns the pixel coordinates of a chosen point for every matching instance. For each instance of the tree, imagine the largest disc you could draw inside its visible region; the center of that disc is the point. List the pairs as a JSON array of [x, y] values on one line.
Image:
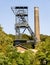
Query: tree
[[0, 28]]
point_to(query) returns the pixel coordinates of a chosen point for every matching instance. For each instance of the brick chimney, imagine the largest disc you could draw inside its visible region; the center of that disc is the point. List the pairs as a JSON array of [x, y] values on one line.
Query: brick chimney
[[36, 23]]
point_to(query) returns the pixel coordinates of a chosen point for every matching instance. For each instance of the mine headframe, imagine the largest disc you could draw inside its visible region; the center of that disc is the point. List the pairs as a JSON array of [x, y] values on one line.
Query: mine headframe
[[21, 22]]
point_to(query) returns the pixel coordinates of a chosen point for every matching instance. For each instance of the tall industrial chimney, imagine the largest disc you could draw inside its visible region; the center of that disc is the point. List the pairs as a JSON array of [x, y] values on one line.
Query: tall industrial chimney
[[36, 23]]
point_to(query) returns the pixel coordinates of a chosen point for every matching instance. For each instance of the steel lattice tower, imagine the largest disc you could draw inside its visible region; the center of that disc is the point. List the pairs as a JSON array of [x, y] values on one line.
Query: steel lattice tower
[[21, 22]]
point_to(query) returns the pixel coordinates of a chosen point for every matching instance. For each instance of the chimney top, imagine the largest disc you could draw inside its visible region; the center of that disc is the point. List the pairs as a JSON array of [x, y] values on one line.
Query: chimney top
[[36, 8]]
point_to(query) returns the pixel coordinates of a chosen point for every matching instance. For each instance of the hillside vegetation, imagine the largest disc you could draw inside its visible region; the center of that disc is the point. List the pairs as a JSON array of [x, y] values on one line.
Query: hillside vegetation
[[10, 56]]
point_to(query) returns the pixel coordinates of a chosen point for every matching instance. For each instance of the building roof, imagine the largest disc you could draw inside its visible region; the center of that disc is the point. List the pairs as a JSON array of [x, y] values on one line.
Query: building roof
[[19, 45]]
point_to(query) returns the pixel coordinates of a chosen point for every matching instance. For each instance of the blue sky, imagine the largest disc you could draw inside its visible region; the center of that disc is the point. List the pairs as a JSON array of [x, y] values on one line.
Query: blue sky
[[7, 18]]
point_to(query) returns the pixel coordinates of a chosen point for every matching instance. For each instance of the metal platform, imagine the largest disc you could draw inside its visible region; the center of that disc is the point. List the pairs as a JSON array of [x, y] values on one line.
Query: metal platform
[[21, 7], [20, 41]]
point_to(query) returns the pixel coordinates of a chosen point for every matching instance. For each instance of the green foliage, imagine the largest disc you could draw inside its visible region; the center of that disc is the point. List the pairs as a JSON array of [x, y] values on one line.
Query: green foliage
[[10, 56], [44, 50], [0, 28], [43, 37]]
